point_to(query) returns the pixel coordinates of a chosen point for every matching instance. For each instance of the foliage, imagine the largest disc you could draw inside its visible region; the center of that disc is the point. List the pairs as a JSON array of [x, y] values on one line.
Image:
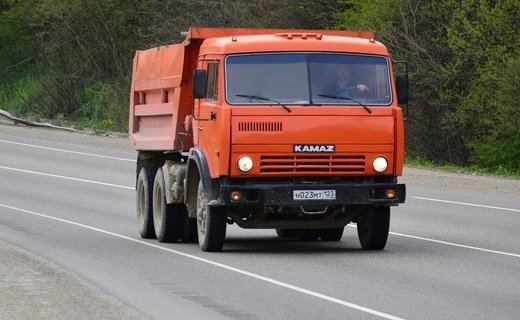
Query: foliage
[[72, 59], [421, 162], [101, 110], [484, 40], [464, 74]]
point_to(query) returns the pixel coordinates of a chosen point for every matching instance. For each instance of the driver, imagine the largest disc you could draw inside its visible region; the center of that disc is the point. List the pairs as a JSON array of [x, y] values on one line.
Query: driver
[[345, 85]]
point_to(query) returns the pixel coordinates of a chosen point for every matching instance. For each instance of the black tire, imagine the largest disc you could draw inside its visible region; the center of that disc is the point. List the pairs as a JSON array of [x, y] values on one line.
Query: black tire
[[144, 193], [373, 227], [211, 223], [307, 234], [334, 234], [285, 233], [168, 218]]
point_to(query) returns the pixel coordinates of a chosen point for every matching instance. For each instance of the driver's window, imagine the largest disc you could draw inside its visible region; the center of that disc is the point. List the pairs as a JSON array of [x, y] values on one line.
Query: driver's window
[[212, 88]]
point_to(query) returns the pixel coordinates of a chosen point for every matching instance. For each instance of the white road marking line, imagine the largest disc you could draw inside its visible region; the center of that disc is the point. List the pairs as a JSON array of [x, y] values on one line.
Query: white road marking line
[[453, 244], [466, 204], [67, 178], [220, 265], [67, 151], [457, 245]]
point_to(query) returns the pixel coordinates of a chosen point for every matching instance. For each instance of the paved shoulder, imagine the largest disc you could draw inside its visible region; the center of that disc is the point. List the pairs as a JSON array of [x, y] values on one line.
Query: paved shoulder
[[31, 288], [461, 181]]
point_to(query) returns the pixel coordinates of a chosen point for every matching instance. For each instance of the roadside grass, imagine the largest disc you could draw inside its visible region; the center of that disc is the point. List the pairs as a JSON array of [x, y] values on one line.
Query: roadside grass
[[420, 162]]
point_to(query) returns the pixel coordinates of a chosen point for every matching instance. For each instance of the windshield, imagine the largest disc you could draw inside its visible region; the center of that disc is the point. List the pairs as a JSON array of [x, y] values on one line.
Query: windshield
[[307, 78]]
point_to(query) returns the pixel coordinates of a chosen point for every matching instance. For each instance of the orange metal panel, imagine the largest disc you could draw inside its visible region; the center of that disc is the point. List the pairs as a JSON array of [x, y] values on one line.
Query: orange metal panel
[[158, 83], [154, 109], [157, 110], [288, 148], [399, 141], [318, 129], [274, 43], [204, 33]]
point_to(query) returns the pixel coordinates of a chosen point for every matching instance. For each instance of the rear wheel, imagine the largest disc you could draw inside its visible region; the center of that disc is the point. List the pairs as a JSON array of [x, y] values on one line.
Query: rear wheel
[[144, 194], [373, 227], [167, 218], [211, 223]]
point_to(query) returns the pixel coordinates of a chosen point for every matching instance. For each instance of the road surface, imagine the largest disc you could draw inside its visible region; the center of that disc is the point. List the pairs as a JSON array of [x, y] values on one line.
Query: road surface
[[67, 221]]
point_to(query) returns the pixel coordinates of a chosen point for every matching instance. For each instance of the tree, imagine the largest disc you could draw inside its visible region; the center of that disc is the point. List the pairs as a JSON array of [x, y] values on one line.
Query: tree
[[483, 36], [464, 63]]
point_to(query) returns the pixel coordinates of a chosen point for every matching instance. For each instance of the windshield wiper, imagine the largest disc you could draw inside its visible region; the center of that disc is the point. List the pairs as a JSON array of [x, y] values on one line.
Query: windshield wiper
[[345, 98], [256, 97]]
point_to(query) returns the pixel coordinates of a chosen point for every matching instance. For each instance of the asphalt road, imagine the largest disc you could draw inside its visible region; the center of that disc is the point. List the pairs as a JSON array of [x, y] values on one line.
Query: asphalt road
[[68, 200]]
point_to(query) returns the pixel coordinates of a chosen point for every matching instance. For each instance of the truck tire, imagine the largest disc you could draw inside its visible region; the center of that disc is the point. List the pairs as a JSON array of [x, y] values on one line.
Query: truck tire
[[373, 227], [144, 193], [211, 223], [334, 234], [167, 218], [285, 233]]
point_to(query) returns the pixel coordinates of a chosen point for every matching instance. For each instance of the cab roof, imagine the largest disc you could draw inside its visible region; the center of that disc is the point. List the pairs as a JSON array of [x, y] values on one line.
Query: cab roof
[[236, 40]]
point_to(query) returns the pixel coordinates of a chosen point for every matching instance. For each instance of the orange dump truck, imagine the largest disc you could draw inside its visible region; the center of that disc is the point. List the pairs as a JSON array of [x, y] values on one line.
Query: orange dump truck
[[300, 131]]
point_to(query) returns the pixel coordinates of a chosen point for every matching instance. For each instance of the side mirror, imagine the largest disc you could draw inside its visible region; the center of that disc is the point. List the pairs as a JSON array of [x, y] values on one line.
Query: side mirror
[[200, 80], [402, 88]]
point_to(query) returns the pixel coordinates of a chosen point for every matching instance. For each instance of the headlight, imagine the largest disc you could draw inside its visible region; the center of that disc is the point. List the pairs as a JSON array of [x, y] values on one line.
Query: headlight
[[380, 164], [245, 164]]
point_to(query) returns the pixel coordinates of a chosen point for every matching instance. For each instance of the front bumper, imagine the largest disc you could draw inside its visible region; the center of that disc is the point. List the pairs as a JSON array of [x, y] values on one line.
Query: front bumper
[[281, 194]]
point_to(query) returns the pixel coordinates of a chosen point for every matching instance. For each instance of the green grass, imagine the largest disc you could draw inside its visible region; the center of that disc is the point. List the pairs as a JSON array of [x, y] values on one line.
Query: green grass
[[473, 169]]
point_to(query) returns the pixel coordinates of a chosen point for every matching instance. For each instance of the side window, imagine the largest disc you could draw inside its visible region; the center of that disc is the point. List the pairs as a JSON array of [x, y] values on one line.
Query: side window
[[212, 91]]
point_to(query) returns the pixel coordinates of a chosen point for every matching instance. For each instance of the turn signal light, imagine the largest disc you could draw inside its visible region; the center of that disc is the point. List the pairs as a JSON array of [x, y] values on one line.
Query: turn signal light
[[390, 193], [236, 195]]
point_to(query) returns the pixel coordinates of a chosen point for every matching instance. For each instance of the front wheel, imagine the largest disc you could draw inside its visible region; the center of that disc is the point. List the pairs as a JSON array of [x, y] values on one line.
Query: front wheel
[[373, 227], [211, 223]]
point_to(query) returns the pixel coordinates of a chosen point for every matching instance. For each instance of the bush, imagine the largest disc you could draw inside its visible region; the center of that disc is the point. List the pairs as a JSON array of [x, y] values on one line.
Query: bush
[[105, 107]]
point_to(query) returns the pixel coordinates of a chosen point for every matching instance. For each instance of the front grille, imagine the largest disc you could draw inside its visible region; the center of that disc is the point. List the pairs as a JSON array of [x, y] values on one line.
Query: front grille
[[312, 164]]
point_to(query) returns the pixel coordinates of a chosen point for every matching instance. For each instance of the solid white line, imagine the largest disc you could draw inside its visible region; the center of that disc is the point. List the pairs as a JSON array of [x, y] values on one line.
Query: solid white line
[[67, 151], [221, 265], [467, 204], [457, 245], [67, 178], [353, 225]]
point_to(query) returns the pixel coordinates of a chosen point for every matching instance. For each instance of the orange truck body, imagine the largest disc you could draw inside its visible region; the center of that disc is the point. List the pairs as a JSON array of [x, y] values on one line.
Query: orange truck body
[[293, 145]]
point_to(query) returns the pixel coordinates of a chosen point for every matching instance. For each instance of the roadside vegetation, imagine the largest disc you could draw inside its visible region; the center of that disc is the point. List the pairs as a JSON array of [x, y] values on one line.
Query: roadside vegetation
[[419, 162], [71, 60]]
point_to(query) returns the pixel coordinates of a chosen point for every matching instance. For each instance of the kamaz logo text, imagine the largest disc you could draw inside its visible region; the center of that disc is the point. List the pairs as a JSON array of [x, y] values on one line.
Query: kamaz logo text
[[314, 148]]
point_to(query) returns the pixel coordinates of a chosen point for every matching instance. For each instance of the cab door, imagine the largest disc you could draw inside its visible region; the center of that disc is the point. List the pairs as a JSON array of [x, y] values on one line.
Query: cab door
[[212, 123]]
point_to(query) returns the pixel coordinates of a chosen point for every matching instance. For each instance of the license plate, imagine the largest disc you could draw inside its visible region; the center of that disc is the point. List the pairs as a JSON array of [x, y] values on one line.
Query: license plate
[[314, 194]]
